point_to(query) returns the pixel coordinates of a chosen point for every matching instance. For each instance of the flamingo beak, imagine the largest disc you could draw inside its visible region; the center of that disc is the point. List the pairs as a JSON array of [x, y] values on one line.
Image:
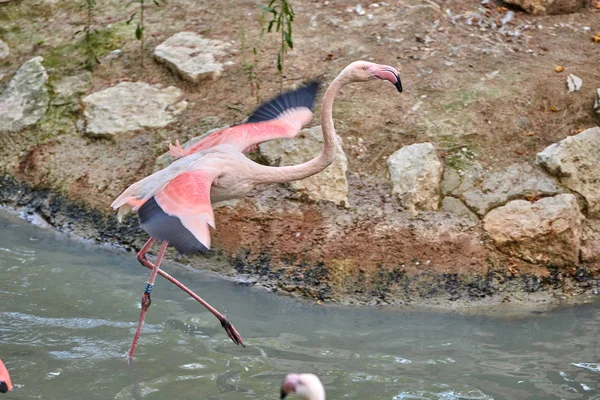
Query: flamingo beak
[[4, 387], [387, 73], [398, 84]]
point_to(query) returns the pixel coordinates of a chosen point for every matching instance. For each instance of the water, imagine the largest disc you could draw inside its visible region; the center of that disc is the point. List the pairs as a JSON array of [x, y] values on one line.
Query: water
[[68, 312]]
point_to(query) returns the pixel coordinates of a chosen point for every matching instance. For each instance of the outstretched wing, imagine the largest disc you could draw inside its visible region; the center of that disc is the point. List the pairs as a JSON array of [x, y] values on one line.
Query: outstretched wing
[[280, 118], [181, 212]]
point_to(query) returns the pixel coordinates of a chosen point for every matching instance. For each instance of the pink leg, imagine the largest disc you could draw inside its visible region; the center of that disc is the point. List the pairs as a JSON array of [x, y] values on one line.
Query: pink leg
[[229, 328], [146, 301]]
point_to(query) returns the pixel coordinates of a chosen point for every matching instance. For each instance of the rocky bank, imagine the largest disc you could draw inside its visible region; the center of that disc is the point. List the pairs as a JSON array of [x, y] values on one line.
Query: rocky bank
[[449, 204]]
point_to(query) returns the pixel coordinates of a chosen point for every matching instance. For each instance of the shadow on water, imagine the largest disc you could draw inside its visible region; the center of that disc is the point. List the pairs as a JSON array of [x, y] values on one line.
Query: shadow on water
[[68, 312]]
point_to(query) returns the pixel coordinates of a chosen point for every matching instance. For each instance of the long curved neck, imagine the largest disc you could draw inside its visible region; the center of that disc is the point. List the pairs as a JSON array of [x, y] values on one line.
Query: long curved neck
[[323, 160]]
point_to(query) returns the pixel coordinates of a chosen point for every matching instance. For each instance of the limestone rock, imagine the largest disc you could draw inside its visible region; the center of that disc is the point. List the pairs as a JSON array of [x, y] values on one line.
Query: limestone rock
[[548, 231], [575, 160], [330, 184], [4, 50], [129, 106], [590, 243], [549, 6], [482, 190], [574, 83], [450, 180], [597, 106], [192, 56], [415, 172], [26, 98], [455, 206]]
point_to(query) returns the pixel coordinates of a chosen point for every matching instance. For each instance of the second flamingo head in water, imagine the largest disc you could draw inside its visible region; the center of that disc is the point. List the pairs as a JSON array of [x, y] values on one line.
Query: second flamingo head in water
[[307, 386]]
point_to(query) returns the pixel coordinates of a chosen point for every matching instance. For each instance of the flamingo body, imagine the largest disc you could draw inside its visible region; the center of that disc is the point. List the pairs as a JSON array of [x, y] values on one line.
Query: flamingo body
[[213, 170]]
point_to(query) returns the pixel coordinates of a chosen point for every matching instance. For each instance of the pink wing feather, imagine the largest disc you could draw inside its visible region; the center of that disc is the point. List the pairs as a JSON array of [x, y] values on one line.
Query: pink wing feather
[[244, 137], [187, 197]]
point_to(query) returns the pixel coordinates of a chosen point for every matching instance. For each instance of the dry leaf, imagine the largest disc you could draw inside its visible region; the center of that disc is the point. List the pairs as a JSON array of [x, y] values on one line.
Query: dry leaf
[[597, 4], [502, 9], [596, 38], [529, 133], [553, 108], [559, 68]]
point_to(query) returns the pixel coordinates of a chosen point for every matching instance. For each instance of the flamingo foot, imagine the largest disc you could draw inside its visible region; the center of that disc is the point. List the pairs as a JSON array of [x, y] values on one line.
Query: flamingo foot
[[232, 332]]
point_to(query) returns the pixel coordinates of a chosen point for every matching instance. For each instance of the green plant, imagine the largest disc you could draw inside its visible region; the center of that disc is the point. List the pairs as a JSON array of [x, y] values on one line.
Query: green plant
[[139, 30], [282, 18], [91, 58], [250, 68]]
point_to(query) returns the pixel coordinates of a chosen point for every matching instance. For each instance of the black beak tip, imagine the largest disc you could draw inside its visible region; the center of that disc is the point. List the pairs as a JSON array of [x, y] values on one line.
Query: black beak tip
[[283, 394], [3, 387], [398, 85]]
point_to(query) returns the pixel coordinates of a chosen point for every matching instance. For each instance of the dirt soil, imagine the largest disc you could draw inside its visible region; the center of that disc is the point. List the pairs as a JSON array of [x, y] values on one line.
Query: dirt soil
[[467, 84]]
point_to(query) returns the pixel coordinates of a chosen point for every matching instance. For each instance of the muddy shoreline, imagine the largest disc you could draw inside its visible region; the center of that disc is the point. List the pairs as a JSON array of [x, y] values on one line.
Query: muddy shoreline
[[484, 93], [492, 293]]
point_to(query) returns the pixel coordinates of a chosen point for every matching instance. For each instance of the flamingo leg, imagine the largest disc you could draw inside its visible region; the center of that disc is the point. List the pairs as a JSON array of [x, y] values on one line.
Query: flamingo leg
[[225, 323], [146, 301]]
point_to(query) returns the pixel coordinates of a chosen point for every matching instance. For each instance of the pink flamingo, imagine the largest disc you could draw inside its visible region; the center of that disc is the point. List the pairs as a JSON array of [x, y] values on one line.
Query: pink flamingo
[[307, 386], [174, 204]]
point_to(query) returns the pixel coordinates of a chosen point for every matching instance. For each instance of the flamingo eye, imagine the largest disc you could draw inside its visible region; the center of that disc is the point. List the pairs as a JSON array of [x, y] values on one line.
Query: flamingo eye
[[365, 67]]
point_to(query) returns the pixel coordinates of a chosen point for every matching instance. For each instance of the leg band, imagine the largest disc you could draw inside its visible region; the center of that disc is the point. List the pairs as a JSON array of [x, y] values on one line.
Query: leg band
[[149, 288]]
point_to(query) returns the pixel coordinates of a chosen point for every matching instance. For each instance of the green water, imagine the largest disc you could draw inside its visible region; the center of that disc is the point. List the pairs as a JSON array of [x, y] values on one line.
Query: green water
[[68, 311]]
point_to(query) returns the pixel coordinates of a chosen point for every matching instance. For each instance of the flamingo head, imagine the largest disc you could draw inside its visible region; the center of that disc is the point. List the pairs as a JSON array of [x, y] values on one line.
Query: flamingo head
[[307, 386], [361, 71]]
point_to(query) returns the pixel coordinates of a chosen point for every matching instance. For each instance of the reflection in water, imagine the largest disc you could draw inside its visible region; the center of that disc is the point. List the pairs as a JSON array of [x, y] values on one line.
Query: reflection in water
[[68, 311]]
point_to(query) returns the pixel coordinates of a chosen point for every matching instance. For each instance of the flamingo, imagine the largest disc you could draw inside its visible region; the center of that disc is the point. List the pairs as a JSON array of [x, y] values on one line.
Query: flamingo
[[174, 205], [5, 384], [307, 386]]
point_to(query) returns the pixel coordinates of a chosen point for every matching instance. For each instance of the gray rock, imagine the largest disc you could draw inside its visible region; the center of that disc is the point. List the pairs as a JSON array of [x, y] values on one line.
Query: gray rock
[[4, 50], [330, 184], [590, 241], [415, 172], [26, 98], [450, 180], [482, 190], [575, 160], [574, 83], [548, 6], [192, 56], [597, 106], [129, 106], [455, 206], [547, 232]]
